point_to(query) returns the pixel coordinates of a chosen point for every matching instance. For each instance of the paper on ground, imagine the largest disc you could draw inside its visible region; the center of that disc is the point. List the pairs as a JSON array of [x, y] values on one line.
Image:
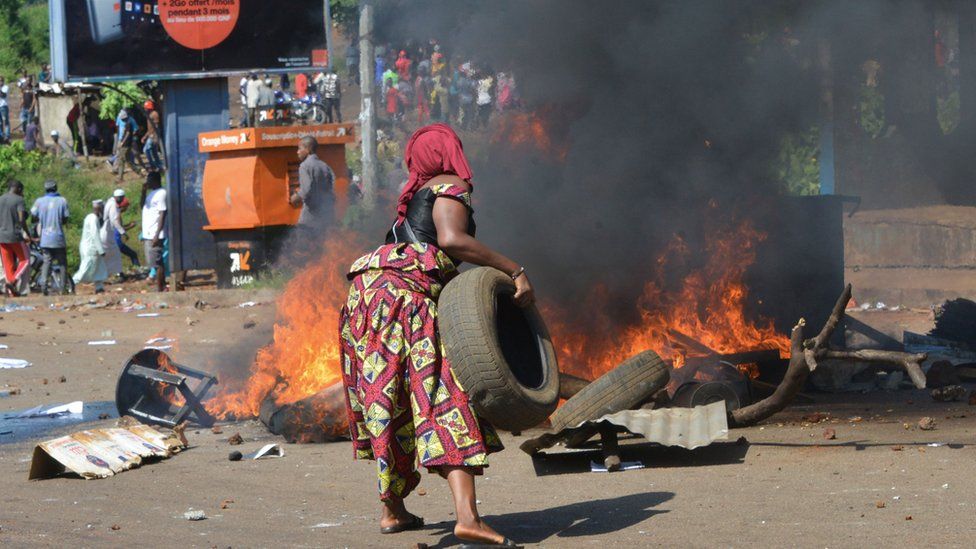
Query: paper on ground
[[105, 342], [13, 363], [147, 315], [75, 407], [2, 346], [267, 451], [100, 453]]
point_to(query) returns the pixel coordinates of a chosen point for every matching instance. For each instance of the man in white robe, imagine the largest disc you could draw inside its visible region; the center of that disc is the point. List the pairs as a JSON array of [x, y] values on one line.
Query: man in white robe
[[92, 268]]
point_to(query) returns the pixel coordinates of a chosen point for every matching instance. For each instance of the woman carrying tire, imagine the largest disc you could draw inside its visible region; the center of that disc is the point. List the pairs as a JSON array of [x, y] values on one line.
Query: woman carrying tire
[[404, 403]]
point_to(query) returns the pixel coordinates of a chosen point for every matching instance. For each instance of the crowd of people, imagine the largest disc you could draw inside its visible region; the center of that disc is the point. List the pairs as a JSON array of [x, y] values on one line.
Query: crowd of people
[[264, 103], [423, 82], [33, 247]]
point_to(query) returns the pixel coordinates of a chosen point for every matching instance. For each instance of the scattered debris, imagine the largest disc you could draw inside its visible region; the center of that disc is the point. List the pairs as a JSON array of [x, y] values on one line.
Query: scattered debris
[[247, 304], [101, 453], [103, 342], [235, 439], [897, 448], [250, 324], [103, 416], [829, 434], [226, 503], [216, 430], [191, 321], [234, 456], [180, 433], [62, 379], [9, 391], [266, 451], [624, 466], [926, 423], [75, 407], [147, 315], [3, 347], [949, 393], [195, 514], [816, 417], [880, 504], [421, 492], [326, 525], [13, 364]]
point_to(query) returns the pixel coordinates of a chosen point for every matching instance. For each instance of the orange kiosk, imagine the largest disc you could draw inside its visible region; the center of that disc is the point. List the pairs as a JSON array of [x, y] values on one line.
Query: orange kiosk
[[247, 180]]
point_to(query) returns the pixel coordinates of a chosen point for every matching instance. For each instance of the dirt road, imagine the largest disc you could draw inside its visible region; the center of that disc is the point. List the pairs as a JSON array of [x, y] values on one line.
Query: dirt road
[[879, 483]]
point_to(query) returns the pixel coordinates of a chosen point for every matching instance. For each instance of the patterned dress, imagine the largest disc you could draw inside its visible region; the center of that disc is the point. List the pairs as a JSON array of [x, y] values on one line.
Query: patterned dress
[[405, 405]]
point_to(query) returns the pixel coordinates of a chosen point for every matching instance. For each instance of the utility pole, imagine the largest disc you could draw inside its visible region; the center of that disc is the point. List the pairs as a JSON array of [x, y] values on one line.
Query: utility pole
[[367, 116], [328, 30]]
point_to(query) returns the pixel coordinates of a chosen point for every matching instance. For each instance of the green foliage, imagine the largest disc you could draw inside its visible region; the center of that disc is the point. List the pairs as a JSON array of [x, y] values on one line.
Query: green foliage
[[15, 160], [78, 186], [345, 13], [15, 44], [796, 166], [119, 96], [871, 111], [35, 17], [948, 112]]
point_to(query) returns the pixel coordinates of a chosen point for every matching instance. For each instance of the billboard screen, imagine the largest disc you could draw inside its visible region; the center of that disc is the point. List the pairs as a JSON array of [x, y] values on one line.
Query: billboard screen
[[98, 40]]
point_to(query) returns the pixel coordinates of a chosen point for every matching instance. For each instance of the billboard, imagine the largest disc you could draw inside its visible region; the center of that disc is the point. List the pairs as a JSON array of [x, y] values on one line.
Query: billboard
[[103, 40]]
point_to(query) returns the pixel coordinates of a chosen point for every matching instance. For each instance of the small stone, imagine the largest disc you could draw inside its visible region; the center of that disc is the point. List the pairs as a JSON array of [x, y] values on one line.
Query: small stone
[[234, 456], [898, 448], [226, 503], [62, 321], [197, 514], [216, 430], [62, 379], [250, 324], [44, 381], [235, 439], [421, 492], [829, 434], [908, 517], [103, 415], [815, 417], [949, 393], [116, 527], [926, 423], [880, 504]]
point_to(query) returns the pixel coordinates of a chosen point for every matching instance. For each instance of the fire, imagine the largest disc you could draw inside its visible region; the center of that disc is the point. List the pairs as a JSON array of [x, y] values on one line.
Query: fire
[[709, 308], [304, 357], [528, 128]]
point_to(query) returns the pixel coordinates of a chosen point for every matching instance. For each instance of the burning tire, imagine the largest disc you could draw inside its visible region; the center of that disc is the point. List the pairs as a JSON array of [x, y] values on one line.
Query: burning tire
[[501, 354], [632, 382]]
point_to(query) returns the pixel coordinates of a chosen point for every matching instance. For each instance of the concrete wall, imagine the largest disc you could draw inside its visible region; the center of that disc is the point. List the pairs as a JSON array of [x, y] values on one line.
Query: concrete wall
[[54, 111], [914, 257]]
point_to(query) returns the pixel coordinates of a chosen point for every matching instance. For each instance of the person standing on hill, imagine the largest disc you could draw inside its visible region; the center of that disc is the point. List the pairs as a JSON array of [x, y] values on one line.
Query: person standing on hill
[[4, 110], [13, 236], [51, 213], [150, 141]]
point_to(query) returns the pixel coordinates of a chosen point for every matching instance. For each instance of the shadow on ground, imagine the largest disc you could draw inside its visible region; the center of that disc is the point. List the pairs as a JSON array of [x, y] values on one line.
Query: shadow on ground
[[650, 454], [586, 518]]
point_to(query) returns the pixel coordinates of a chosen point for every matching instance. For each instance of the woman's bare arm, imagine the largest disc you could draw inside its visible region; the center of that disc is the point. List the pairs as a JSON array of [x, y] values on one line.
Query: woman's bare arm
[[451, 220]]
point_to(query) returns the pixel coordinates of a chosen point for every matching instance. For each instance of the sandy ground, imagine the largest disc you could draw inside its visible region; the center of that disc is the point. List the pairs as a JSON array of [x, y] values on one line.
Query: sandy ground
[[781, 485]]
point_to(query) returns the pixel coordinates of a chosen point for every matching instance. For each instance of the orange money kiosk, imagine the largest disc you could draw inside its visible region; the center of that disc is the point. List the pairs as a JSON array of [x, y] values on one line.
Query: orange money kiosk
[[247, 181]]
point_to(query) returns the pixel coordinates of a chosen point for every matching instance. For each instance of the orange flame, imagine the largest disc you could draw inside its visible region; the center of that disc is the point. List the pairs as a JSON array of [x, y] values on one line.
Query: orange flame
[[304, 358], [709, 308], [527, 128]]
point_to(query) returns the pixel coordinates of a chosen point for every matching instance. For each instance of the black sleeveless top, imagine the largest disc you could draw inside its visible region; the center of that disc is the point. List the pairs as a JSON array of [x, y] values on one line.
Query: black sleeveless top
[[420, 215]]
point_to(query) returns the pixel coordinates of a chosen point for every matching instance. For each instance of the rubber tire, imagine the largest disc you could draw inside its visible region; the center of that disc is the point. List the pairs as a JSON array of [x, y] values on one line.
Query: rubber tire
[[632, 382], [467, 311]]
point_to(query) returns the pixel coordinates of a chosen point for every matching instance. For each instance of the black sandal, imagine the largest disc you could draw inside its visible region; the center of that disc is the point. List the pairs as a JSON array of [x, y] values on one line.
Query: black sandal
[[416, 523]]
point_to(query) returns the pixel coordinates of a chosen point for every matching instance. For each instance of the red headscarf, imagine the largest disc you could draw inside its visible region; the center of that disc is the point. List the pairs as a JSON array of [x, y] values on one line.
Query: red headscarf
[[433, 150]]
